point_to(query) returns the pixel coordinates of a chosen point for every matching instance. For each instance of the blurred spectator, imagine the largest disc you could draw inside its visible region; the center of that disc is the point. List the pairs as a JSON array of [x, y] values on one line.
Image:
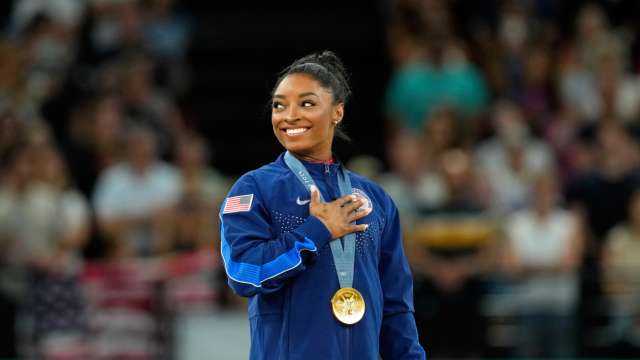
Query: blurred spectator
[[202, 191], [144, 105], [422, 87], [443, 132], [44, 223], [95, 139], [543, 254], [594, 77], [536, 95], [570, 140], [435, 72], [16, 180], [56, 264], [65, 12], [601, 197], [166, 37], [413, 182], [511, 158], [114, 26], [449, 250], [49, 48], [367, 165], [13, 69], [197, 178], [621, 270], [407, 29], [11, 132], [514, 34], [132, 198]]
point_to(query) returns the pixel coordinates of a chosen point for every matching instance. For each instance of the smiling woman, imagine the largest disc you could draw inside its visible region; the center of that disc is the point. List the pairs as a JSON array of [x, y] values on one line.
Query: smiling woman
[[314, 89], [290, 232], [305, 116]]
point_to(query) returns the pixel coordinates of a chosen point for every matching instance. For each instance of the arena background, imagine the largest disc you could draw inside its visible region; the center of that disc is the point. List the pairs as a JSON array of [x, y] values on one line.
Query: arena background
[[506, 132]]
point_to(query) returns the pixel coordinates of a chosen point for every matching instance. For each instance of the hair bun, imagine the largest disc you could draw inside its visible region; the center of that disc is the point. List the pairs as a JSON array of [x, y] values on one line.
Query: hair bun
[[327, 68], [330, 59], [332, 65]]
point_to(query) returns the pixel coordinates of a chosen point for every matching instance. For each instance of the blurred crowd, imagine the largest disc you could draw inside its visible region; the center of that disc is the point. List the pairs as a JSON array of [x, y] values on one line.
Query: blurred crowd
[[512, 142], [513, 145], [107, 201]]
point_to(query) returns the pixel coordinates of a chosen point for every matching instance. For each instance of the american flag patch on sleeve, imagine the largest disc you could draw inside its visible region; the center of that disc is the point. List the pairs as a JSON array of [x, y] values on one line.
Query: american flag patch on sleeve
[[238, 203]]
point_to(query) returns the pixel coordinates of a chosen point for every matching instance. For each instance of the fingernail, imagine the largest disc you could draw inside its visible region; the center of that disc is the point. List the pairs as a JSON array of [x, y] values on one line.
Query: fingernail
[[366, 226], [353, 198], [313, 188]]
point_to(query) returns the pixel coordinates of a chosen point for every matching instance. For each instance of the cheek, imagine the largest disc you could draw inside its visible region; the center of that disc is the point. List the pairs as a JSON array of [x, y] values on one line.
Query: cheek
[[323, 121], [275, 120]]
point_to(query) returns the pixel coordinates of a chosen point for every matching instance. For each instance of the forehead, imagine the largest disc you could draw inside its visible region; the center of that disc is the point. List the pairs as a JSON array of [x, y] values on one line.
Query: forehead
[[295, 84]]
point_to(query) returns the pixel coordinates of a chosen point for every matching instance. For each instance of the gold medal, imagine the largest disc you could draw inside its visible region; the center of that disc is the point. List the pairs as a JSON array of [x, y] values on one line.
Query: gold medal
[[348, 305]]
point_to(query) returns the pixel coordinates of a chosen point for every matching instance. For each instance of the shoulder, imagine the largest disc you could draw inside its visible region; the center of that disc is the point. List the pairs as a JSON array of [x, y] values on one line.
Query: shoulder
[[264, 177]]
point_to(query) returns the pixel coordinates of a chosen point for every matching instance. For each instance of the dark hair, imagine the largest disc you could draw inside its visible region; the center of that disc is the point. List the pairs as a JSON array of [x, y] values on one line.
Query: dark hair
[[327, 68]]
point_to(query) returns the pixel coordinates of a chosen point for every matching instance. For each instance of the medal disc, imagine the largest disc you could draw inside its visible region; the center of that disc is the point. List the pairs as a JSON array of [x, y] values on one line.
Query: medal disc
[[348, 306]]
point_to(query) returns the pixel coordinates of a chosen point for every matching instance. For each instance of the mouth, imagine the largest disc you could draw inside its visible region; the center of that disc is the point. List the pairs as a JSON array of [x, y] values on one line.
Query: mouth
[[295, 131]]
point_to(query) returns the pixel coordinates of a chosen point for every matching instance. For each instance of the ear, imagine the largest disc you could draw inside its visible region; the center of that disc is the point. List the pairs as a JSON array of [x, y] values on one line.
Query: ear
[[338, 113]]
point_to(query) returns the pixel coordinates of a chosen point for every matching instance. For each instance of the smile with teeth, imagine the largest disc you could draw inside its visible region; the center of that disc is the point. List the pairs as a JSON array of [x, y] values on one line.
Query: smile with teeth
[[297, 131]]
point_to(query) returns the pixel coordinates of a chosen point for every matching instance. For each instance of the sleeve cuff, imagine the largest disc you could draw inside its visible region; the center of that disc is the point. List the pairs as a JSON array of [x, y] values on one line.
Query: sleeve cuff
[[315, 230]]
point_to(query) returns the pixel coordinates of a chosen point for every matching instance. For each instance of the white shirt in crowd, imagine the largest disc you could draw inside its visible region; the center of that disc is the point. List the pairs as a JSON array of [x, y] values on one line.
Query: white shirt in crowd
[[543, 243], [120, 192]]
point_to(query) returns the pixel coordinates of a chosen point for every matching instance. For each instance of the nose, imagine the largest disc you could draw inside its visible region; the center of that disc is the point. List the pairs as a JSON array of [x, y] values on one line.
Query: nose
[[292, 114]]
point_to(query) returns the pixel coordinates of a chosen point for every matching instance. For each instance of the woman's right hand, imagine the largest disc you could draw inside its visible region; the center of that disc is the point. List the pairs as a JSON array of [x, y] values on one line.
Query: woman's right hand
[[338, 215]]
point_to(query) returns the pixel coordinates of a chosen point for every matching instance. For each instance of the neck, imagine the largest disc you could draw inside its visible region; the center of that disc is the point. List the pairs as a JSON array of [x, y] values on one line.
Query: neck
[[314, 158]]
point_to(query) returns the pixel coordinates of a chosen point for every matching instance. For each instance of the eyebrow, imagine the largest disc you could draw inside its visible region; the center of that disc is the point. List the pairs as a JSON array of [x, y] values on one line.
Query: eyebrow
[[300, 96]]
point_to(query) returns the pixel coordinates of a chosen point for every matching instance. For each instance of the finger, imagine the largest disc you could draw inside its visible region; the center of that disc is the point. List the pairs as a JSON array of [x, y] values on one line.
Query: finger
[[315, 194], [350, 207], [356, 215], [358, 227], [342, 201]]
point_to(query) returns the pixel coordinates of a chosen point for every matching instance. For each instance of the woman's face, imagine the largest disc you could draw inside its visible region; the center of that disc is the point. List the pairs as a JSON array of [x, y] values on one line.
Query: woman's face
[[304, 116]]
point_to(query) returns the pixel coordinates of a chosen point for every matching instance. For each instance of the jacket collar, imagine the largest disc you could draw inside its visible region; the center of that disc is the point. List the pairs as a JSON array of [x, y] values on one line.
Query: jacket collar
[[315, 168]]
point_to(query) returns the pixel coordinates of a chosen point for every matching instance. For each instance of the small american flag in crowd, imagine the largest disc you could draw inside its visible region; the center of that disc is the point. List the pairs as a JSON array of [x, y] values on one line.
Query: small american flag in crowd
[[238, 204]]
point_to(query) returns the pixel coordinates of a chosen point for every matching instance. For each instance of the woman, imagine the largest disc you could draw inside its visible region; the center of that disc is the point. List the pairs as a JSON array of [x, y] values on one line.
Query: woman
[[283, 227], [542, 255], [621, 271]]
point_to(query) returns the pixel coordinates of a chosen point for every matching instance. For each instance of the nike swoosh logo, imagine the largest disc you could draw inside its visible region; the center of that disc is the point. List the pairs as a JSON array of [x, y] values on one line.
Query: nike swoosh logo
[[302, 202]]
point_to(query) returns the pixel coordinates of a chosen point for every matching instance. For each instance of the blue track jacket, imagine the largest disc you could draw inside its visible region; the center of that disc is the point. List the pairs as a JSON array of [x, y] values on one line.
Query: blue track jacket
[[278, 256]]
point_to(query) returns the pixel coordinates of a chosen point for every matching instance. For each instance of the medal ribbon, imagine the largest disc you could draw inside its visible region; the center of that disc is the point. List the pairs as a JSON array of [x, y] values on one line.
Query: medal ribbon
[[343, 258]]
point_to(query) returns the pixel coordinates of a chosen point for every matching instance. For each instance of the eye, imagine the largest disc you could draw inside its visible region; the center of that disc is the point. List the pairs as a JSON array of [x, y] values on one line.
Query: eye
[[277, 105], [308, 103]]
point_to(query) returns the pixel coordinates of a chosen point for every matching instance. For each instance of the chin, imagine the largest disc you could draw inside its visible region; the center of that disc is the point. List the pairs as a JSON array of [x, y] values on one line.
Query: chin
[[297, 147]]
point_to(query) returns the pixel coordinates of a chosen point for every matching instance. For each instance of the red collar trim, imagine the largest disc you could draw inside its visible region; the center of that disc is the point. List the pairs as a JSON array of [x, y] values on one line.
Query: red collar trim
[[325, 162]]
